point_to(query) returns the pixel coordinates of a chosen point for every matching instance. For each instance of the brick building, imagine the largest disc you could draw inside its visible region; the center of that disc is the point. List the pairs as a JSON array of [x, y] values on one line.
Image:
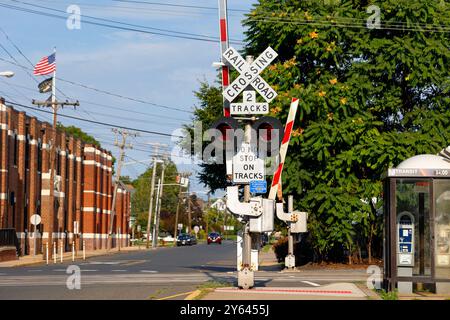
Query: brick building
[[79, 208]]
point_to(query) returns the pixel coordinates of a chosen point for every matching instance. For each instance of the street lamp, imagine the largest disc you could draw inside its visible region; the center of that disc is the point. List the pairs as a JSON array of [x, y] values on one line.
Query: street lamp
[[218, 65], [7, 74]]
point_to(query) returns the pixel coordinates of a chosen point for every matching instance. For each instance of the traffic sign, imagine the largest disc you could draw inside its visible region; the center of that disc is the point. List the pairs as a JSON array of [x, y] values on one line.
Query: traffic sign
[[35, 219], [249, 74], [258, 186], [246, 164], [196, 229], [249, 105]]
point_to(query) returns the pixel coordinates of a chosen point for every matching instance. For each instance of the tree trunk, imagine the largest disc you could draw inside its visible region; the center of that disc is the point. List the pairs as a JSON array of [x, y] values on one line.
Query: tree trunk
[[359, 254], [350, 253], [369, 249]]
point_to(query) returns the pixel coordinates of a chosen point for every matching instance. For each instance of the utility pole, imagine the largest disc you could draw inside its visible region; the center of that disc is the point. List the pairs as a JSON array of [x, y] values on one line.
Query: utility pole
[[175, 230], [122, 146], [158, 210], [156, 147], [152, 187], [189, 210], [207, 213], [55, 105]]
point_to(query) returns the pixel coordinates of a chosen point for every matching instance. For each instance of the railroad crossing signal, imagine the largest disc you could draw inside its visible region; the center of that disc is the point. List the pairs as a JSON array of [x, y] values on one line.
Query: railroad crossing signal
[[249, 106], [249, 74], [246, 164]]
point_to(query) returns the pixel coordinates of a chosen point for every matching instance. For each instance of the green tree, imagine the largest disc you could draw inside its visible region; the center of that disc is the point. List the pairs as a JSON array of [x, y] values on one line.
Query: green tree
[[79, 134], [140, 199]]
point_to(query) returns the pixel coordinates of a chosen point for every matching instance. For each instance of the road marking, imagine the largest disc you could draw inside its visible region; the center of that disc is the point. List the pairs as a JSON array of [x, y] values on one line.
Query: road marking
[[149, 271], [176, 295], [132, 263], [82, 270], [118, 270], [2, 274], [312, 283], [104, 262]]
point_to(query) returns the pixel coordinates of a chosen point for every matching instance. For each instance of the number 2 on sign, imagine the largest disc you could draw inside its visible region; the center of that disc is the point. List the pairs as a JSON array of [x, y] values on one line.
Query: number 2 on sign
[[249, 96]]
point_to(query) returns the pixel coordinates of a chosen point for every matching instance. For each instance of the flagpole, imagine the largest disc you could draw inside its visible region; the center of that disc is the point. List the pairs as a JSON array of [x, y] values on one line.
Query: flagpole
[[53, 216], [53, 156], [54, 86]]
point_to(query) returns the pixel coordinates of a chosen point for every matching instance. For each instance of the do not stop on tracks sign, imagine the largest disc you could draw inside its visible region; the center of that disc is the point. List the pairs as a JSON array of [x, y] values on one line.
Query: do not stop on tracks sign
[[246, 165]]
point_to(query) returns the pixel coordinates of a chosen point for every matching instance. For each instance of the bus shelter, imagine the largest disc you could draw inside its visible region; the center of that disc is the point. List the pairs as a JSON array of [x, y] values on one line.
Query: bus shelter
[[417, 225]]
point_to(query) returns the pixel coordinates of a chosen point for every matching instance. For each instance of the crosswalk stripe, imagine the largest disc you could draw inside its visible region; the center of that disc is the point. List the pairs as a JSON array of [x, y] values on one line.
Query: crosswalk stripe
[[311, 283]]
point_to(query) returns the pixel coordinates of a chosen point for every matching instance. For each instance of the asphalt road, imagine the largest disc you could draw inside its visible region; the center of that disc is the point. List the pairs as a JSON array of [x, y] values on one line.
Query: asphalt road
[[163, 273]]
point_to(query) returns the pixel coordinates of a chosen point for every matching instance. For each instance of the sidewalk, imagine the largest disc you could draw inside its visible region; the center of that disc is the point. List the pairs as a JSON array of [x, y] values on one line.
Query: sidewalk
[[269, 262], [334, 291], [67, 256]]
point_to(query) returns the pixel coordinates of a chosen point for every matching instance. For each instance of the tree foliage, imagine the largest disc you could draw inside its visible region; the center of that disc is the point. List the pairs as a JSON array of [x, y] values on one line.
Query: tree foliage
[[79, 134]]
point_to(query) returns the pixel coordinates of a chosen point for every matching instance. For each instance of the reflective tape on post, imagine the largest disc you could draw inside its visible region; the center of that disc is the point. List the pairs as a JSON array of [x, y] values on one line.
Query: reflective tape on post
[[284, 147]]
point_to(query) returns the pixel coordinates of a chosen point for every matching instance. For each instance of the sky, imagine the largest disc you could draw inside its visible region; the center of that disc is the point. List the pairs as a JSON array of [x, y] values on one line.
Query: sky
[[161, 72]]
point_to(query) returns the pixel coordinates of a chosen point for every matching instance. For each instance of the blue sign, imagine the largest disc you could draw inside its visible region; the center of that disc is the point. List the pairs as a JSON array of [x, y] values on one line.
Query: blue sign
[[258, 186]]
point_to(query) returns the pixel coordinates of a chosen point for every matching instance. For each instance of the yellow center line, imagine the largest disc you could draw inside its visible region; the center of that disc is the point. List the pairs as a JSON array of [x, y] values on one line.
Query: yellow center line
[[176, 295]]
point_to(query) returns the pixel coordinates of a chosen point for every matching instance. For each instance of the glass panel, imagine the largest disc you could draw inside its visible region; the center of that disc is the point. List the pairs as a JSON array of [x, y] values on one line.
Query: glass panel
[[413, 200], [442, 229]]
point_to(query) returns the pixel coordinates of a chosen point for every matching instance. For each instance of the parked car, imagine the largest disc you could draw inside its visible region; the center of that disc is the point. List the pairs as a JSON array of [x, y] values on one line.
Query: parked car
[[193, 239], [184, 240], [214, 237]]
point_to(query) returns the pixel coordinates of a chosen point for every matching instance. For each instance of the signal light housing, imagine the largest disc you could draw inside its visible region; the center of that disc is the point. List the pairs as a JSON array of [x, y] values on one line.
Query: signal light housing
[[269, 133]]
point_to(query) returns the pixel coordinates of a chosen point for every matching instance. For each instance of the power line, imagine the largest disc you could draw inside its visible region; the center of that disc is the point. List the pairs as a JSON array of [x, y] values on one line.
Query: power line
[[355, 23], [98, 122], [108, 106], [122, 23], [395, 25], [126, 26], [141, 10], [177, 5], [108, 92], [123, 97], [26, 58]]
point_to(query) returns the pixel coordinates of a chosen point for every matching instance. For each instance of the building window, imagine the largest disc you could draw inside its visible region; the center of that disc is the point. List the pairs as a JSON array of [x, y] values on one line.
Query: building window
[[67, 161], [58, 163], [27, 153], [74, 169], [39, 153], [16, 142]]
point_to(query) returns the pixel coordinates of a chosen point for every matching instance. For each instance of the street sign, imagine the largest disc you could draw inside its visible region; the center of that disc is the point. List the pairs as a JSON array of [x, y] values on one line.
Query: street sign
[[249, 106], [249, 74], [196, 229], [35, 219], [246, 164], [258, 186], [76, 229]]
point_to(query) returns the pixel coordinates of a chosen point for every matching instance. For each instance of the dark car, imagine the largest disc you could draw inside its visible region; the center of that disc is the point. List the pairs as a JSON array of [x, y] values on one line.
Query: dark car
[[184, 240], [193, 240], [214, 237]]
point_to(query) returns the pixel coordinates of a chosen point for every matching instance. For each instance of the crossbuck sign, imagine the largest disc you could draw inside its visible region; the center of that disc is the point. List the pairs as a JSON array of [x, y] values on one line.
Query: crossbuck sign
[[249, 74]]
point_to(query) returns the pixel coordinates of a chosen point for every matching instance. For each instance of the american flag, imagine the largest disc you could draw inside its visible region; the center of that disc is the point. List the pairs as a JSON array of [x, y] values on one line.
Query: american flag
[[45, 66]]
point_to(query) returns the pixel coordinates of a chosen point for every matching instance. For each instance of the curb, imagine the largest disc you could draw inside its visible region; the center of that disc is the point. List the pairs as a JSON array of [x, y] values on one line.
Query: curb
[[193, 295], [18, 263]]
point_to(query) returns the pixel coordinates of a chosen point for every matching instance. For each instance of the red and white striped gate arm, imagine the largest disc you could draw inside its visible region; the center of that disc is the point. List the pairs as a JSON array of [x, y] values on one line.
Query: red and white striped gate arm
[[284, 148], [223, 19]]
